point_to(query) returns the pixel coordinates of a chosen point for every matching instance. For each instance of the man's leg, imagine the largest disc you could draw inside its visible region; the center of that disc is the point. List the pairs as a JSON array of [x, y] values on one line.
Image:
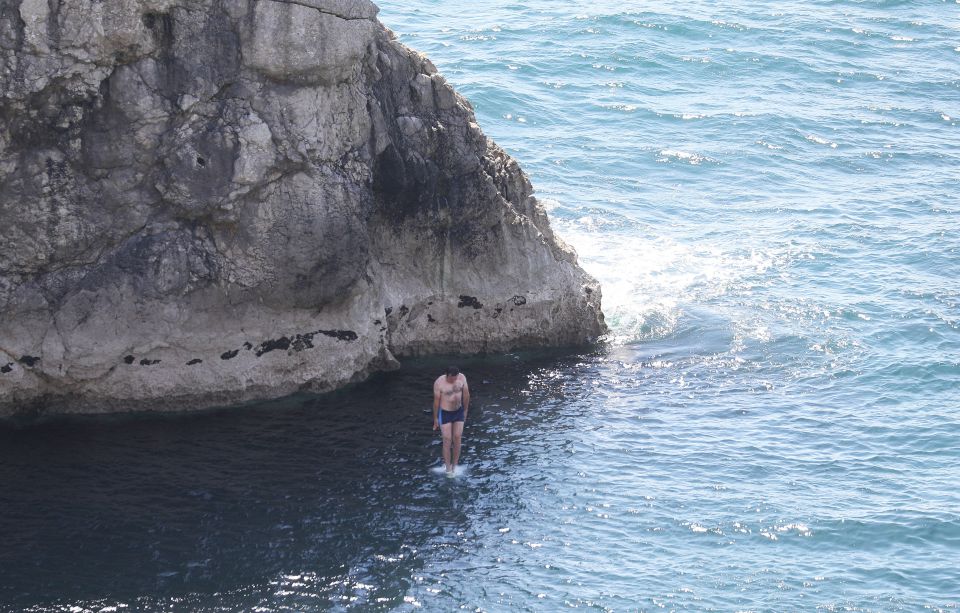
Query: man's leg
[[447, 431], [457, 433]]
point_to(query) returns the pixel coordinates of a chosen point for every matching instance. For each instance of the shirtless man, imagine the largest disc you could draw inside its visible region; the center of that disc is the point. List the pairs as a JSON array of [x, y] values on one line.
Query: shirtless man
[[451, 396]]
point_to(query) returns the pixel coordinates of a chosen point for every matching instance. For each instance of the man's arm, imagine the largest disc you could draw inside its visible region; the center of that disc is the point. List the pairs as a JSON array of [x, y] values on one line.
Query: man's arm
[[436, 403], [466, 398]]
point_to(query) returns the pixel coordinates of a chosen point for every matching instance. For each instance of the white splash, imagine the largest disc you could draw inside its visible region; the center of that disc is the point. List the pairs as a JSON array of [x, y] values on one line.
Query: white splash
[[648, 279]]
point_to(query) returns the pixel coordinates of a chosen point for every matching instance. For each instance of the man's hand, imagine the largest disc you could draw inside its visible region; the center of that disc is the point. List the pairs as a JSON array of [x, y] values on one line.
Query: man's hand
[[435, 424]]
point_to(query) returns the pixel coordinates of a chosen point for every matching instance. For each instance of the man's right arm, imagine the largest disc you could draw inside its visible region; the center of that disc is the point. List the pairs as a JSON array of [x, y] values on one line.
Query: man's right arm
[[436, 404]]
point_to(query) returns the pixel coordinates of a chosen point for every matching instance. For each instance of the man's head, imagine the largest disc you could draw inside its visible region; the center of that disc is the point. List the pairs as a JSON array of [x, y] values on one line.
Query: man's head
[[452, 372]]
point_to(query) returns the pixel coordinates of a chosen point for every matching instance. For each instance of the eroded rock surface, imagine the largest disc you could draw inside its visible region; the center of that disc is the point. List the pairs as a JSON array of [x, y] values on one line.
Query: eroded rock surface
[[210, 201]]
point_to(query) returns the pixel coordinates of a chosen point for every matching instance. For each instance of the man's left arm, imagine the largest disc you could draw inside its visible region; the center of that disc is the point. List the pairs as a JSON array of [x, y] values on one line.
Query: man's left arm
[[466, 398]]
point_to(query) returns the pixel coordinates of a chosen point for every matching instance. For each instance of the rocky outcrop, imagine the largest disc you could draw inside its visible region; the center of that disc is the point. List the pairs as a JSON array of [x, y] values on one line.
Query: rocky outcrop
[[210, 201]]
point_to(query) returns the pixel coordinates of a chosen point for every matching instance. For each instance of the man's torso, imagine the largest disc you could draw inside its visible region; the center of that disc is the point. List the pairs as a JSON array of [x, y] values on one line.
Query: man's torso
[[451, 394]]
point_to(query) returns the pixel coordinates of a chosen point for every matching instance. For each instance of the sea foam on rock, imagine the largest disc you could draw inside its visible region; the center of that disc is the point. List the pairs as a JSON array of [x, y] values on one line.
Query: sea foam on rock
[[210, 201]]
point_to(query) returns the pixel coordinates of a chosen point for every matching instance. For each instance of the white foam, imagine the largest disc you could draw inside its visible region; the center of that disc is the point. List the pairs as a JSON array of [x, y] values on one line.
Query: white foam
[[820, 140], [668, 155], [647, 279], [626, 108], [461, 472]]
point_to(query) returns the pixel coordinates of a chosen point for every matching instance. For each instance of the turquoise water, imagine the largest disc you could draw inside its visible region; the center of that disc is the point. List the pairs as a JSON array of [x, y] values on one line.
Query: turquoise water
[[768, 194]]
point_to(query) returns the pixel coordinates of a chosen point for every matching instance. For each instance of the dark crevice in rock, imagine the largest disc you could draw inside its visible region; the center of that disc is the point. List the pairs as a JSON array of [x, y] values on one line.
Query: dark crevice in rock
[[6, 367], [129, 359], [29, 361], [229, 355], [146, 362], [161, 26], [519, 300], [322, 11], [194, 361], [12, 26]]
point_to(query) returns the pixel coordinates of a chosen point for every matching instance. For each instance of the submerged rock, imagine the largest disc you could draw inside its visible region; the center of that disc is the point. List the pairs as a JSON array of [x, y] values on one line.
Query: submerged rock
[[206, 202]]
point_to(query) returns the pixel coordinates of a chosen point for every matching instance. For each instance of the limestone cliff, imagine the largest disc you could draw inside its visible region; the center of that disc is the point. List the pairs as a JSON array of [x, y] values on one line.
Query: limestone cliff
[[210, 201]]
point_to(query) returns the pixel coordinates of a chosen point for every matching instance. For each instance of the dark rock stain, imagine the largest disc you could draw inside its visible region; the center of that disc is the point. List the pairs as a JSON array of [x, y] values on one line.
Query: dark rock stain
[[282, 343], [388, 310], [227, 355], [6, 367], [469, 301], [248, 346], [431, 319], [342, 335], [129, 359], [194, 361], [29, 361], [403, 310], [519, 300], [146, 362], [303, 341]]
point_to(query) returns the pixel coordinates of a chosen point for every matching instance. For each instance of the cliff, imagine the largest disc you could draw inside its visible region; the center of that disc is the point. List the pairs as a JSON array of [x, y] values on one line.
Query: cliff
[[210, 201]]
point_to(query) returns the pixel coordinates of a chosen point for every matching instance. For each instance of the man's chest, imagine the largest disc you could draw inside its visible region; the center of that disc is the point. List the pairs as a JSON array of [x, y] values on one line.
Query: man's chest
[[449, 390]]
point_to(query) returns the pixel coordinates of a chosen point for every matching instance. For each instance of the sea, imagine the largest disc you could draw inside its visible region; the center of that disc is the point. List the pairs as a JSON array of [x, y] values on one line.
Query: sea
[[769, 194]]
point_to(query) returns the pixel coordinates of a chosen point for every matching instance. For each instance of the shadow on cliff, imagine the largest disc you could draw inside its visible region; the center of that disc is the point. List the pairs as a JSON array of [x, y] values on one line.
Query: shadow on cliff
[[307, 501]]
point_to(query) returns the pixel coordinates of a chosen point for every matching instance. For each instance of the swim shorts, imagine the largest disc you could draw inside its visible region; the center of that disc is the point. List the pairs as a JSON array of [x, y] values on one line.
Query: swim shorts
[[448, 417]]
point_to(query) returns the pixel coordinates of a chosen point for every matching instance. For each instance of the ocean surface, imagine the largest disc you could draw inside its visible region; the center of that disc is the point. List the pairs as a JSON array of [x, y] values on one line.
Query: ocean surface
[[769, 194]]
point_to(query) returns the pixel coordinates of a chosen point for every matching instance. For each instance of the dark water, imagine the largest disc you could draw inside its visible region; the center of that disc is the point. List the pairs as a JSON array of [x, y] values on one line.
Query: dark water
[[308, 502]]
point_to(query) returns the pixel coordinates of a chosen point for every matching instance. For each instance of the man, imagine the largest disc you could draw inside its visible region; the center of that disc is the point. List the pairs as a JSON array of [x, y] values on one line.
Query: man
[[451, 403]]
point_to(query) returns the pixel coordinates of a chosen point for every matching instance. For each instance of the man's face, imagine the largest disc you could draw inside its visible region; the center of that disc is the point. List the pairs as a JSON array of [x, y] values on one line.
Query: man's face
[[451, 378]]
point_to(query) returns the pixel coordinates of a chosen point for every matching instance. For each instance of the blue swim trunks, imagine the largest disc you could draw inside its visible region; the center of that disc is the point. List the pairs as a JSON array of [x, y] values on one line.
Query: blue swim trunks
[[448, 417]]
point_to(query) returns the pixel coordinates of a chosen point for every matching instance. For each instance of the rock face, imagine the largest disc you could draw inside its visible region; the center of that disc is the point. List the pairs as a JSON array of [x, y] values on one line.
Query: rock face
[[209, 201]]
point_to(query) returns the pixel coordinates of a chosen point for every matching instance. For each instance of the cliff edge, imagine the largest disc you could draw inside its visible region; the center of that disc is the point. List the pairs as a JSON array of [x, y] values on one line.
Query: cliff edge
[[204, 202]]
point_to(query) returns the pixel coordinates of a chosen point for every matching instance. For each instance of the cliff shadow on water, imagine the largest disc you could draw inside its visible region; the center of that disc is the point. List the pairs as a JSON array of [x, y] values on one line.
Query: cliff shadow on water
[[302, 501]]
